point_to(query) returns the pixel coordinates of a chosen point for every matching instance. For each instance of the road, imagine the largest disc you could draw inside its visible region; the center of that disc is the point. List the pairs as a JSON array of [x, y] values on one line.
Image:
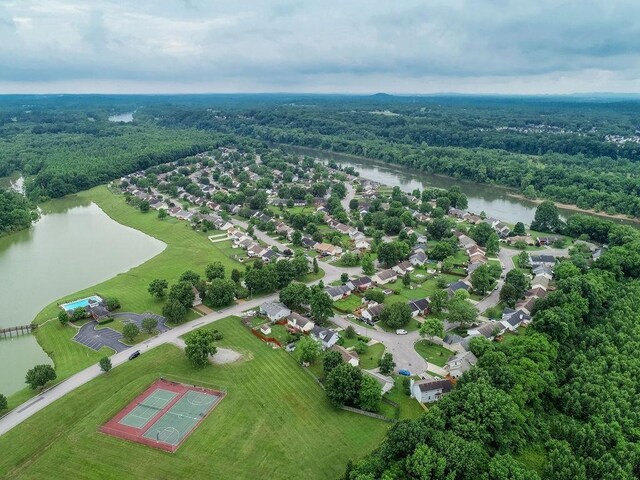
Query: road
[[400, 346]]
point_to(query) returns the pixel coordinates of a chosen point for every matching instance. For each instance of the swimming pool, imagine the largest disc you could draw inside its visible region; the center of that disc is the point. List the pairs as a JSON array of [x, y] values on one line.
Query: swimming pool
[[71, 306]]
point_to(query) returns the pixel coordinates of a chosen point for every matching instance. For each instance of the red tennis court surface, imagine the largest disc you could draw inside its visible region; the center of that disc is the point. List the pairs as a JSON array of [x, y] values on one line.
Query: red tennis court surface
[[164, 415]]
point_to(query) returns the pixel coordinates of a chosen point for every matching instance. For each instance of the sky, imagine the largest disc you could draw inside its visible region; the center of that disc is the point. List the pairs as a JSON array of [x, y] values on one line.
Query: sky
[[326, 46]]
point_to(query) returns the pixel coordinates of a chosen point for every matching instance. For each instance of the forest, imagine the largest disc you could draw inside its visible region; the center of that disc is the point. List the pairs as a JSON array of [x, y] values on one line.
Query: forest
[[16, 212], [557, 402]]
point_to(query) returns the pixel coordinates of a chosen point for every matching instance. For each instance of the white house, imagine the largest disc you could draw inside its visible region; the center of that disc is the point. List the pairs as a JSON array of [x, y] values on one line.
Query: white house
[[372, 313], [460, 363], [300, 322], [325, 336], [274, 311], [385, 276], [430, 390], [347, 357]]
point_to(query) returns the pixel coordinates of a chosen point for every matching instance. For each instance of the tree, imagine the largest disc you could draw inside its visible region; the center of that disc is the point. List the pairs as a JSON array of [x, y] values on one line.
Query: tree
[[330, 361], [396, 315], [63, 317], [190, 276], [438, 228], [386, 364], [162, 214], [183, 293], [391, 253], [439, 301], [461, 311], [374, 296], [144, 206], [220, 292], [432, 327], [149, 324], [105, 364], [368, 266], [392, 226], [425, 464], [481, 233], [214, 270], [295, 295], [518, 229], [316, 269], [344, 277], [361, 347], [509, 295], [493, 244], [370, 394], [518, 280], [3, 402], [158, 287], [406, 279], [321, 305], [481, 279], [547, 218], [38, 376], [350, 332], [343, 385], [522, 260], [174, 311], [236, 275], [199, 345], [130, 331], [309, 350]]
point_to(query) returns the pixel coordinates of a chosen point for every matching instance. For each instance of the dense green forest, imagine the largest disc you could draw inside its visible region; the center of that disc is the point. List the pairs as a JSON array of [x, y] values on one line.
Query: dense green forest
[[16, 212], [559, 402]]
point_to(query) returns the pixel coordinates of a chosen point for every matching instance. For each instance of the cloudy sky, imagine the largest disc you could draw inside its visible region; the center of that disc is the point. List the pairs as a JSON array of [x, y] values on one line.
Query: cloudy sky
[[404, 46]]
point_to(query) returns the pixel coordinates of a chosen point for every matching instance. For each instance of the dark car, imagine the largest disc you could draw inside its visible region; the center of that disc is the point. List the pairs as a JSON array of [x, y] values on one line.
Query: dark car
[[135, 354]]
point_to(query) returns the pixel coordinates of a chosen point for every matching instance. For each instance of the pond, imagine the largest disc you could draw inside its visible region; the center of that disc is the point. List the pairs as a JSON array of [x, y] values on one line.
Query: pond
[[73, 246]]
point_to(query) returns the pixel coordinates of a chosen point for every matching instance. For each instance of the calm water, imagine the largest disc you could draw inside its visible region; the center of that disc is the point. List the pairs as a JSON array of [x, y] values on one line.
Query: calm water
[[122, 117], [73, 246], [493, 200]]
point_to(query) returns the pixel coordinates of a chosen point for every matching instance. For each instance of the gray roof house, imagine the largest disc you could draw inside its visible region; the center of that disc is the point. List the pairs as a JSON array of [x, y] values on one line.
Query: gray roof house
[[327, 337], [274, 311], [460, 363], [336, 293]]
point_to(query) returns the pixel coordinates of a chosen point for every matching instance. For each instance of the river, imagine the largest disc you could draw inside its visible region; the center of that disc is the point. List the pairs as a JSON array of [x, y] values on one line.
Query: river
[[74, 245], [494, 200]]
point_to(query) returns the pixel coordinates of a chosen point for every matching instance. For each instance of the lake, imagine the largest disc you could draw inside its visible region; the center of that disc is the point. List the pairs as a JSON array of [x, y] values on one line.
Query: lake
[[122, 117], [494, 200], [73, 246]]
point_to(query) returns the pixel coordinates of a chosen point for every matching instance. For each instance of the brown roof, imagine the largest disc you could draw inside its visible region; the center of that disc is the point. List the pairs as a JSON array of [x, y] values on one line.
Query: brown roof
[[433, 384]]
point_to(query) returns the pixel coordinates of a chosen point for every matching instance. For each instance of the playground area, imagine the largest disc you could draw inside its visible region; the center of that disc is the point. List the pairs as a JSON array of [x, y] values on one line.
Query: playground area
[[164, 415]]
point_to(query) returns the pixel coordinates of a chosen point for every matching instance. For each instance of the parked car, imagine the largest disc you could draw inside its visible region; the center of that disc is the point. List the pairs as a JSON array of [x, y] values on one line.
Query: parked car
[[401, 331], [350, 315], [135, 354], [404, 372]]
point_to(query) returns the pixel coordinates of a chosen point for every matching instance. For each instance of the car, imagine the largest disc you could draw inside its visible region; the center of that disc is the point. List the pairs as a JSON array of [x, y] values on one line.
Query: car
[[404, 372], [350, 315], [135, 354], [401, 331]]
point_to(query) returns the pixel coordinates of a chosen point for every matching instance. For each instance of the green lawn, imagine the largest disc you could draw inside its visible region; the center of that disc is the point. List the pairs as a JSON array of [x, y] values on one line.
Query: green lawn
[[370, 358], [433, 353], [409, 407], [275, 420], [349, 304]]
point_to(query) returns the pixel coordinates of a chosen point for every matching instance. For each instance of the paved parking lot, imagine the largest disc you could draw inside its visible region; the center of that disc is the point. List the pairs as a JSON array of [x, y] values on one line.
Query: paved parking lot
[[96, 339]]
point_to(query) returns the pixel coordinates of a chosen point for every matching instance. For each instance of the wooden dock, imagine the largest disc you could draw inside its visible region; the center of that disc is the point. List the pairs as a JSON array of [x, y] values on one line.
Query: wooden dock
[[16, 331]]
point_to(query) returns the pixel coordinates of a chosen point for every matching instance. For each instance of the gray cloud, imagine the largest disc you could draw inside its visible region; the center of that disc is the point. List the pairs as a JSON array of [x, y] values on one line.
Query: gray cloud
[[287, 45]]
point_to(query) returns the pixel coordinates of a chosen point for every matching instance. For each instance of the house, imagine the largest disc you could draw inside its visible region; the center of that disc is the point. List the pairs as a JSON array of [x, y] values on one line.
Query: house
[[543, 271], [372, 313], [362, 244], [265, 329], [526, 304], [512, 319], [325, 336], [465, 241], [308, 242], [256, 250], [502, 229], [455, 212], [430, 390], [540, 281], [472, 267], [460, 363], [488, 330], [98, 312], [347, 357], [328, 249], [418, 259], [360, 284], [542, 261], [274, 311], [385, 276], [421, 306], [336, 293], [268, 255], [403, 267], [521, 238], [541, 241], [459, 285], [300, 322]]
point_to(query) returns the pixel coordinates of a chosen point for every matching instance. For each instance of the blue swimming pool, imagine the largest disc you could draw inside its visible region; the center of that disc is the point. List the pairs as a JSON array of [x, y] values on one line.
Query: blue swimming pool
[[69, 307]]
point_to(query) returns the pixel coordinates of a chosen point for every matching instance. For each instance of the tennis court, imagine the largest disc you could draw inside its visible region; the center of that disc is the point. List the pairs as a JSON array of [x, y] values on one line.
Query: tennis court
[[164, 415]]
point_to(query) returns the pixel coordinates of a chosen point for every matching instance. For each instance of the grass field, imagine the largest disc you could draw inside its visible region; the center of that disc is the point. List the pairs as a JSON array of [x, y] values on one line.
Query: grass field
[[433, 353], [275, 422], [370, 358]]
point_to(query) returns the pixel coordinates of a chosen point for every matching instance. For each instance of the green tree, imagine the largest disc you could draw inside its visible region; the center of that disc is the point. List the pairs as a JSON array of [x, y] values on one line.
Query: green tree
[[368, 266], [481, 233], [425, 464], [296, 238], [214, 270], [361, 347], [38, 376], [350, 332], [3, 402], [162, 214], [130, 331], [343, 385], [144, 206], [493, 244], [105, 364], [522, 260], [149, 324], [406, 279], [220, 292], [439, 301], [396, 315], [63, 317], [391, 253], [386, 364], [330, 361], [321, 305], [369, 394], [199, 345], [295, 295], [158, 287], [547, 218], [432, 327], [481, 279], [316, 269], [518, 229], [344, 277], [190, 276], [183, 293], [236, 275], [309, 349], [377, 296], [174, 311], [461, 311]]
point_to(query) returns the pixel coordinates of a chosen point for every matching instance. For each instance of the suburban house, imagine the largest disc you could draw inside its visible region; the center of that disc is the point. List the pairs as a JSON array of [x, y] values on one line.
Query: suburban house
[[540, 281], [274, 311], [527, 304], [430, 390], [512, 319], [372, 313], [521, 238], [327, 249], [460, 363], [300, 322], [360, 284], [419, 307], [385, 276], [327, 337], [541, 241], [418, 259], [403, 267], [98, 312], [265, 329], [459, 285], [542, 261], [543, 271], [347, 357], [336, 293], [488, 330]]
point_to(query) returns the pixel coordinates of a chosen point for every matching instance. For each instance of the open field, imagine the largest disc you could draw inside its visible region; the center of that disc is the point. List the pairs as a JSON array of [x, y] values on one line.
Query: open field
[[371, 357], [433, 353], [274, 420]]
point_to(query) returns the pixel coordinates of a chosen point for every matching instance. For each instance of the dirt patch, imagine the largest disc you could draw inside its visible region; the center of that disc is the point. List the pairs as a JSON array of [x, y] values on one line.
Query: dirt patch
[[222, 356]]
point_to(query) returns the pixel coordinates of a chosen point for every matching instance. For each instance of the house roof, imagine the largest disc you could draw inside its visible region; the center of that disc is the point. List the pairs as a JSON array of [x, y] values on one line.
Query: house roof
[[515, 318], [274, 309], [359, 282], [299, 320], [386, 274], [430, 384], [375, 310], [337, 291], [488, 329]]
